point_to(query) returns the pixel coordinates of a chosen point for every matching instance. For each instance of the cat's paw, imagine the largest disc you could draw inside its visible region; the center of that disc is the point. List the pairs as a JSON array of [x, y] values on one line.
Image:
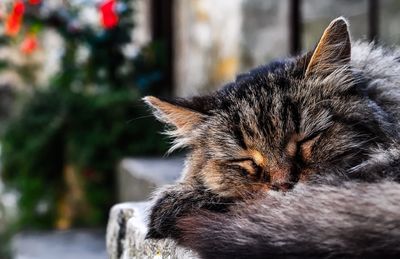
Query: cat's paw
[[177, 201], [153, 233], [163, 215]]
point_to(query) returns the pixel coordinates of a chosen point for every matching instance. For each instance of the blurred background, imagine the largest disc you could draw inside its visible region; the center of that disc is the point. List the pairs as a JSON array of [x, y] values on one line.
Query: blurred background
[[75, 137]]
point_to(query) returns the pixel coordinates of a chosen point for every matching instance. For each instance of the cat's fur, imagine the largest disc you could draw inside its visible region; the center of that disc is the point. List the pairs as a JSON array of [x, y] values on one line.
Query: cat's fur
[[355, 220], [314, 122]]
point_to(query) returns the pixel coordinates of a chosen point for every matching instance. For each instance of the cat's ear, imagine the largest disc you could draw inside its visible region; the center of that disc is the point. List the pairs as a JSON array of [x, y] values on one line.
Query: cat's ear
[[175, 113], [333, 50]]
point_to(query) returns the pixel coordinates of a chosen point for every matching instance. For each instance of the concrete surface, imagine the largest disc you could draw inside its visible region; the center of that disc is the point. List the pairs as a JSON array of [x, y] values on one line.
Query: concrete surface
[[137, 178], [72, 244]]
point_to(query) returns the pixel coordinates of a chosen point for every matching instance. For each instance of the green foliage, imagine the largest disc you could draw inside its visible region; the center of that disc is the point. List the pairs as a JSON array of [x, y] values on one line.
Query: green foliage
[[5, 246], [89, 116], [93, 132]]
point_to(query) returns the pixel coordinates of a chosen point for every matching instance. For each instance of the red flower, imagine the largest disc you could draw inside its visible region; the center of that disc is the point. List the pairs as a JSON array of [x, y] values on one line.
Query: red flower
[[14, 20], [109, 16], [29, 44], [34, 2]]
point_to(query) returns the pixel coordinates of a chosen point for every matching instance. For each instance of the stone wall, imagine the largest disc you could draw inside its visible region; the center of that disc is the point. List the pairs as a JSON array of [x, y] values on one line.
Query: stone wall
[[207, 44], [217, 39]]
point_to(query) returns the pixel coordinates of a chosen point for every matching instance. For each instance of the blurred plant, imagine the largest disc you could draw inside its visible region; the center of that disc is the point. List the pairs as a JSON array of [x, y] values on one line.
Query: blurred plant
[[59, 129], [34, 2], [61, 150], [14, 19], [5, 246], [29, 44], [109, 16]]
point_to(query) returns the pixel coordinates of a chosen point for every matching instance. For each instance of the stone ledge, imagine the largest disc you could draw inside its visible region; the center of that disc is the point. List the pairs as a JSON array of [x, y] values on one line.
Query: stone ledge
[[126, 231]]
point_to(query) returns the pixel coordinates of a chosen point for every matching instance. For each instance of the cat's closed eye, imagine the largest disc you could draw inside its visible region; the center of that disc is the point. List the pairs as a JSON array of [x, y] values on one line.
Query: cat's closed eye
[[306, 145], [300, 148], [246, 166]]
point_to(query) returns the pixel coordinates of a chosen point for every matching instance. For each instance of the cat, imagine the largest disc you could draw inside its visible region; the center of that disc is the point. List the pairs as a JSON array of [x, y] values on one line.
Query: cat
[[320, 129]]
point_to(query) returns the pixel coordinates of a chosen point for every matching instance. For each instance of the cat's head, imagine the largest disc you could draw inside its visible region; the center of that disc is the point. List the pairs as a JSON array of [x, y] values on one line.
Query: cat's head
[[278, 124]]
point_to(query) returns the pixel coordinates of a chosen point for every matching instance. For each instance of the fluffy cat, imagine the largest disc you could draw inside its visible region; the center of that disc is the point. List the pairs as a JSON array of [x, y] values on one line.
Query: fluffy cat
[[320, 129]]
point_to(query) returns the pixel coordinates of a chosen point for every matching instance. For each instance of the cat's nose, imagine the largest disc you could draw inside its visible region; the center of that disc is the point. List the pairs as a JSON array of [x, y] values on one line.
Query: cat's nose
[[284, 186]]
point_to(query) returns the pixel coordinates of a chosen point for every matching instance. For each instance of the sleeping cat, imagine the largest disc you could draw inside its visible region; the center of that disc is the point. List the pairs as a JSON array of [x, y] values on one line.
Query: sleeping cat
[[287, 151]]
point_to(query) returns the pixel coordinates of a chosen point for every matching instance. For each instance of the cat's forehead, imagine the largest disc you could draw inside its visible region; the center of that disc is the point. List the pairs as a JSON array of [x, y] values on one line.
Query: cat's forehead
[[264, 91], [270, 86], [266, 107]]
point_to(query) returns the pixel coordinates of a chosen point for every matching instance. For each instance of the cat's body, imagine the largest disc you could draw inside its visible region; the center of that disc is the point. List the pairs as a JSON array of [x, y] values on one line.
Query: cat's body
[[355, 220], [317, 121]]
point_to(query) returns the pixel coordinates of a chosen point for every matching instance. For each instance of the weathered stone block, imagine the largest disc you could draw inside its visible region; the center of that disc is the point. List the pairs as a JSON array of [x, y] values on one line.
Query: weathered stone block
[[126, 231]]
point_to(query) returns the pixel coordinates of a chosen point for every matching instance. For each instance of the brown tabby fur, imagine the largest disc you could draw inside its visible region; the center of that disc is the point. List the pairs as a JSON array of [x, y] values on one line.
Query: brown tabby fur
[[327, 117]]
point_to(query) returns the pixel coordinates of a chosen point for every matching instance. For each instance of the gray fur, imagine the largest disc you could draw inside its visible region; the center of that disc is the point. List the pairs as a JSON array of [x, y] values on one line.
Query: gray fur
[[355, 220]]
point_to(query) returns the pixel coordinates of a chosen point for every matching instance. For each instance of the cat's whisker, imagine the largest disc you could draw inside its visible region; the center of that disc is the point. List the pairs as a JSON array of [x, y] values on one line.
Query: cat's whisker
[[139, 118]]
